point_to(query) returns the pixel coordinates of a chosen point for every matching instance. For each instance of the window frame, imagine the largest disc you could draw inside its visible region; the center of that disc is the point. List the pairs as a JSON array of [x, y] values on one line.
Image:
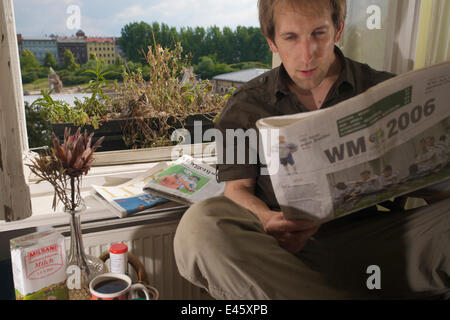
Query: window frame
[[15, 198]]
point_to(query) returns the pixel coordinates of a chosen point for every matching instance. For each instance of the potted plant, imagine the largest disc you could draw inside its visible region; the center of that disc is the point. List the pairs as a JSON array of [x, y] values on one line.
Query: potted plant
[[145, 109]]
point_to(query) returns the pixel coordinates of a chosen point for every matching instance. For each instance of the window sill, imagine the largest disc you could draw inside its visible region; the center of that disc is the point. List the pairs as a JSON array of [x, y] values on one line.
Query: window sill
[[97, 214]]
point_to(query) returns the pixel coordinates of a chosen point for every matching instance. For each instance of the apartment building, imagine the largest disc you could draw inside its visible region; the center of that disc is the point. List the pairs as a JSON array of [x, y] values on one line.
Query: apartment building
[[103, 48], [39, 46]]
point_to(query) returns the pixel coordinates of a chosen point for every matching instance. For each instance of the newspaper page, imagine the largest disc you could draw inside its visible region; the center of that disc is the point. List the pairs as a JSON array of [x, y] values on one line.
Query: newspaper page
[[389, 141], [186, 180], [129, 198]]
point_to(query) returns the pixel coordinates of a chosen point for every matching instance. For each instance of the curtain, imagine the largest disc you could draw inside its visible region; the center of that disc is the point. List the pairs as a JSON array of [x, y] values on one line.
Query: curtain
[[382, 33], [367, 31], [438, 43]]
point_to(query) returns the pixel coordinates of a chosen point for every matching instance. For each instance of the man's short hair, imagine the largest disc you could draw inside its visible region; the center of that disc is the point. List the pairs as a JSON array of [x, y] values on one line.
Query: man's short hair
[[267, 13]]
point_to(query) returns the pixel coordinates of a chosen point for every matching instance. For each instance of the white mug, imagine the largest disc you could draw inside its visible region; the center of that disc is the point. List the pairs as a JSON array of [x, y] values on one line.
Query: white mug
[[128, 291]]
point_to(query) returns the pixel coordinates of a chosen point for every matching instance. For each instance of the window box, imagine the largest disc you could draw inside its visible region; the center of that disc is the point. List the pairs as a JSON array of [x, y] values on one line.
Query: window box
[[113, 130]]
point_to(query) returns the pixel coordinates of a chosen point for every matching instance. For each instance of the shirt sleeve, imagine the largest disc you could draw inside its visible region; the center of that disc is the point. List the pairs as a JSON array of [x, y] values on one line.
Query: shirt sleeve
[[237, 153]]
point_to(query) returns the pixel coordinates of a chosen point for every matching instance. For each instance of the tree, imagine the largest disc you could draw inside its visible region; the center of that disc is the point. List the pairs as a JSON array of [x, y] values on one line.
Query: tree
[[28, 61], [208, 68], [118, 61], [228, 46], [69, 61], [135, 39], [49, 60], [205, 67]]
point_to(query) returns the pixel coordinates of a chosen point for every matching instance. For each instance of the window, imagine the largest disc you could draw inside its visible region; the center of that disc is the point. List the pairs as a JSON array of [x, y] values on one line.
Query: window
[[394, 34]]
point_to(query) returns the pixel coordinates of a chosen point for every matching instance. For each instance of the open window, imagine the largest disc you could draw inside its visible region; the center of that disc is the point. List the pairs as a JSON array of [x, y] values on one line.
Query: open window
[[19, 192]]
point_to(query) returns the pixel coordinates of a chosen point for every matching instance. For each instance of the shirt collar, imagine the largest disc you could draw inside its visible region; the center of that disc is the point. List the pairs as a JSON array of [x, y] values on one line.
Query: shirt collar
[[346, 77]]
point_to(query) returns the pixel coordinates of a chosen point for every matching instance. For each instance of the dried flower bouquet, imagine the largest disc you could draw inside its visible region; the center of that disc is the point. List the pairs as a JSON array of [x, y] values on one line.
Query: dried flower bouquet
[[63, 166]]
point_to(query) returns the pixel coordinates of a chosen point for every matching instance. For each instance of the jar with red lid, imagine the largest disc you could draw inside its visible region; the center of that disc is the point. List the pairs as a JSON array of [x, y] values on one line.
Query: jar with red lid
[[118, 255]]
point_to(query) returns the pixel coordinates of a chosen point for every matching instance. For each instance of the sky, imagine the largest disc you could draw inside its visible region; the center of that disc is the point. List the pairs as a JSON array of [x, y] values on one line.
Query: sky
[[37, 18]]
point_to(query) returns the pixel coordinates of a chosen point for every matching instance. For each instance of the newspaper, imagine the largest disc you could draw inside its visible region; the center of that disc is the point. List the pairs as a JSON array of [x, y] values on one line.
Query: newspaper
[[389, 141], [129, 198], [186, 180]]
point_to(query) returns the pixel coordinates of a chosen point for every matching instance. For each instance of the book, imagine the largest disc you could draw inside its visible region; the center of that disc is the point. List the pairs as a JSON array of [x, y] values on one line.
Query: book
[[186, 180], [129, 198]]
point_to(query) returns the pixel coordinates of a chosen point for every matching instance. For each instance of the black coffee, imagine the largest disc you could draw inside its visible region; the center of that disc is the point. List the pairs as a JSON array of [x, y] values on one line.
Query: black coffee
[[111, 286]]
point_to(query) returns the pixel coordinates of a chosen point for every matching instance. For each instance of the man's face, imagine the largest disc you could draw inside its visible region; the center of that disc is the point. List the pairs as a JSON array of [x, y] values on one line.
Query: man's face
[[304, 37]]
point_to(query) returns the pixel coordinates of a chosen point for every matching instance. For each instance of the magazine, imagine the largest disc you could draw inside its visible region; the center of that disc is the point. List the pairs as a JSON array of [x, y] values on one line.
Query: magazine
[[186, 180], [129, 198], [392, 140]]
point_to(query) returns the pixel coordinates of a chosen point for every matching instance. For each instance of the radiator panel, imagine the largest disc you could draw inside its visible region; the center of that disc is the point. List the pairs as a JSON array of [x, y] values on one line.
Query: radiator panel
[[153, 245]]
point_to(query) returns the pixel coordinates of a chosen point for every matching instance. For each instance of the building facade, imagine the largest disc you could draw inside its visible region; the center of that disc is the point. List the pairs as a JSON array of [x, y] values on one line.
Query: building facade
[[77, 46], [102, 48], [19, 43], [39, 47]]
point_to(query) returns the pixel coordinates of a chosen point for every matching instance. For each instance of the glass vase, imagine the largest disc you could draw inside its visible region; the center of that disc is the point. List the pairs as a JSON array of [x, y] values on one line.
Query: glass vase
[[81, 268]]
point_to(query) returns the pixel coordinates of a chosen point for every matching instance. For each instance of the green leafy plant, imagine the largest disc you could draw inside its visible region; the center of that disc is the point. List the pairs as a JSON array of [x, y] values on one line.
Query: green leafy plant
[[90, 110], [95, 105], [38, 130], [155, 107], [57, 111], [153, 99]]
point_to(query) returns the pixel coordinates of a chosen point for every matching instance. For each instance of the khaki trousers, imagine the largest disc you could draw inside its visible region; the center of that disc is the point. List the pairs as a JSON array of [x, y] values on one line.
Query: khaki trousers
[[222, 247]]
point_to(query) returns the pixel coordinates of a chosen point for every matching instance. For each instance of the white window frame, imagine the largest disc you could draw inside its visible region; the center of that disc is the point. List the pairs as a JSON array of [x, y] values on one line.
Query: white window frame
[[15, 201]]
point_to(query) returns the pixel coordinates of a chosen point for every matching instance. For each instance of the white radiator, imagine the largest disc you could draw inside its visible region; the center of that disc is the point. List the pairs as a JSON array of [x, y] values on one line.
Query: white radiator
[[153, 245]]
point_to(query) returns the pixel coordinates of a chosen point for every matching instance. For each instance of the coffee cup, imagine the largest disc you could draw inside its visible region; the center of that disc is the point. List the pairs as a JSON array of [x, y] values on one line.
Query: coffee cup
[[115, 286]]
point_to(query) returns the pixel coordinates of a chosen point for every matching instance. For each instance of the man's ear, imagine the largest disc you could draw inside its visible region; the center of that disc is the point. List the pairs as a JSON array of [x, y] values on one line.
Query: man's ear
[[272, 45], [339, 33]]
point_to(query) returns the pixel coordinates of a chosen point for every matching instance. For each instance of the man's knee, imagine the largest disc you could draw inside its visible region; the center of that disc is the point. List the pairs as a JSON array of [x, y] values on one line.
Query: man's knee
[[201, 239], [198, 222], [200, 229]]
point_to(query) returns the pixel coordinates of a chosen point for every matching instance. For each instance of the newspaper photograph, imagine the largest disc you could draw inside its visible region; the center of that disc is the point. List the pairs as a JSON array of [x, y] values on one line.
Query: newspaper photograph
[[186, 180], [389, 141], [129, 198]]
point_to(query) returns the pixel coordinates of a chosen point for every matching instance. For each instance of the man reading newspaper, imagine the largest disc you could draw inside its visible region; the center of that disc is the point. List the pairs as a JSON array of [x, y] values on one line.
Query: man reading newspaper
[[240, 246]]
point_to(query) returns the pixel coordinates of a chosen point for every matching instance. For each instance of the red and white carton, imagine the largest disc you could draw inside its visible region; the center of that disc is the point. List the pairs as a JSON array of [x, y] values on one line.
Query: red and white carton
[[38, 263], [118, 255]]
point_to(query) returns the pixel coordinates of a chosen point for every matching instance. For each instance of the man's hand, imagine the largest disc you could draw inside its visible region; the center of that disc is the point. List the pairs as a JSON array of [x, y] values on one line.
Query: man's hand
[[291, 235]]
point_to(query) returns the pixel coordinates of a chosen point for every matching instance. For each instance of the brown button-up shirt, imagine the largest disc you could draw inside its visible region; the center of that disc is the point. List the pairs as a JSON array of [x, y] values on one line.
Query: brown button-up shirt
[[268, 95]]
